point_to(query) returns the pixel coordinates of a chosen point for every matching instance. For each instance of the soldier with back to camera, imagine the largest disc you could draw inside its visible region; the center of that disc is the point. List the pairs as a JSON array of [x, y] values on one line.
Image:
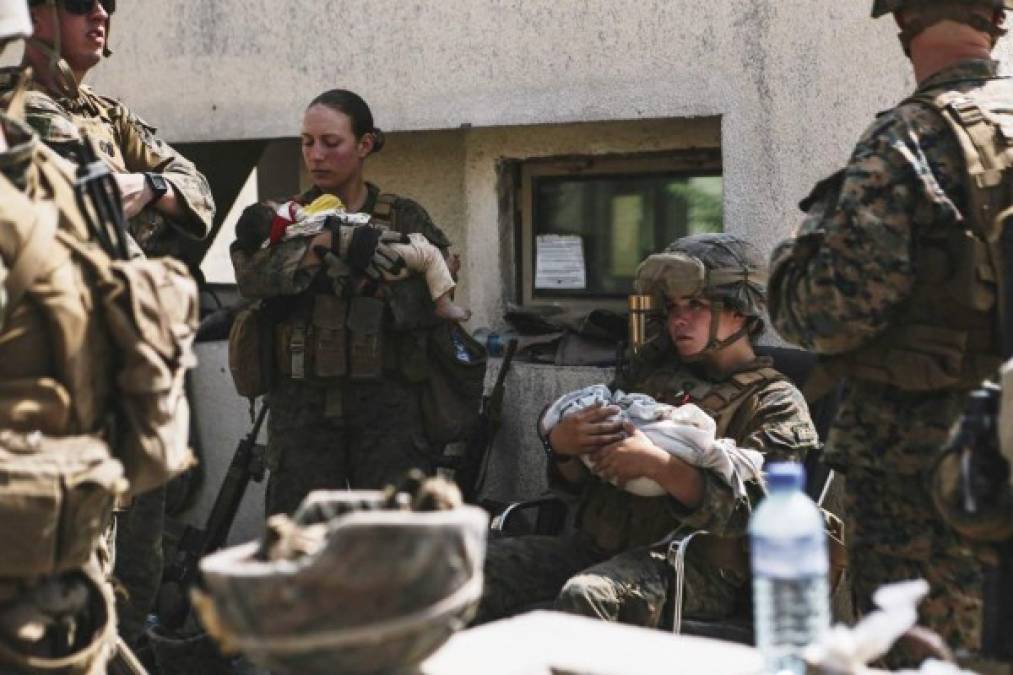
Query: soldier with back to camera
[[893, 277]]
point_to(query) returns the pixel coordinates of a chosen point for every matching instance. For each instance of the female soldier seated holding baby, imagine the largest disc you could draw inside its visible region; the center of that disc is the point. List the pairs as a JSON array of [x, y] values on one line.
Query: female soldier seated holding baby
[[614, 566]]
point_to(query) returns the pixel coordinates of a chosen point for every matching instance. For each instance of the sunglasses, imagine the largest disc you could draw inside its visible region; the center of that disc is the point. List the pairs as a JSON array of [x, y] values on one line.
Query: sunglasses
[[82, 7]]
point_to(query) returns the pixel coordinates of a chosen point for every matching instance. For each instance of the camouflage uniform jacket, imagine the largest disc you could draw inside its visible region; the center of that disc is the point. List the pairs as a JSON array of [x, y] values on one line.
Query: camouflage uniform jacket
[[127, 144], [773, 419], [850, 270]]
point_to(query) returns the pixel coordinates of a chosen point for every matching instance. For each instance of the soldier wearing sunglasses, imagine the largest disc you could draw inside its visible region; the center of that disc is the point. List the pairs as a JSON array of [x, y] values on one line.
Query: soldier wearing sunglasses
[[166, 199], [164, 196]]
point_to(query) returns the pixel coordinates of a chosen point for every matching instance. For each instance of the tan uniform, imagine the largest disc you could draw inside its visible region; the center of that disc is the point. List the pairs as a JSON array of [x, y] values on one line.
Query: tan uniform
[[127, 144], [55, 378]]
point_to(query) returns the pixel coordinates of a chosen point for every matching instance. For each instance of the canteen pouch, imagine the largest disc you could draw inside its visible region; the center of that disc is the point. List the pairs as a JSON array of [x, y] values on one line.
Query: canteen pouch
[[56, 500], [453, 392], [329, 336], [249, 351], [365, 341]]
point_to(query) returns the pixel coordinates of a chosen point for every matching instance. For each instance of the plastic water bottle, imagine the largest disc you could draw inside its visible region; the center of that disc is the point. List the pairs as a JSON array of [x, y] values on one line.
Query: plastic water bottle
[[495, 341], [791, 594]]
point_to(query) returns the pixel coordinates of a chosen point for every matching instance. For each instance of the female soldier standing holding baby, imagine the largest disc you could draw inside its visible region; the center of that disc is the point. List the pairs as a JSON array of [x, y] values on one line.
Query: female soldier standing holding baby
[[345, 409]]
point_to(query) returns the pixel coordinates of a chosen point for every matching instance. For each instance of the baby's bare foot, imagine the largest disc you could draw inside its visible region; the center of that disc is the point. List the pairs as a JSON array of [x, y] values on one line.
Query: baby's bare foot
[[446, 309]]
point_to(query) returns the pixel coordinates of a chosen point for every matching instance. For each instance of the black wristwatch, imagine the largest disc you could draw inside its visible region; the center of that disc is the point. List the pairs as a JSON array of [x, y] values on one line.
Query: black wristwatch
[[159, 186], [549, 452]]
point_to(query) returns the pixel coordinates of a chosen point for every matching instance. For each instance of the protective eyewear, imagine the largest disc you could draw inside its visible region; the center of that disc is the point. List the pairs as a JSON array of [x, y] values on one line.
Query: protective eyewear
[[85, 7]]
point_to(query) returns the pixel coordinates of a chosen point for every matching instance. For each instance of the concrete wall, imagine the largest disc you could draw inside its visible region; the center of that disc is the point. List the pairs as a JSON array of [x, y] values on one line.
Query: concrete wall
[[793, 82]]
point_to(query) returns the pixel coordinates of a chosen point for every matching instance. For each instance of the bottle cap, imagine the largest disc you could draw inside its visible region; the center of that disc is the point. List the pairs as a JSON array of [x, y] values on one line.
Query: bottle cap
[[786, 476]]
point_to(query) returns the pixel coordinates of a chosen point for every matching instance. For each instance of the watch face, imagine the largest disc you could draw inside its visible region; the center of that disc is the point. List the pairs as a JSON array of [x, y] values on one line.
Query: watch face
[[158, 184]]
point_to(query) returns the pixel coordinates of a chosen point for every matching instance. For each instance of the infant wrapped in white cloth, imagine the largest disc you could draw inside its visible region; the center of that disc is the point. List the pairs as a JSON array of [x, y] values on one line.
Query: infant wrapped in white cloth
[[686, 432]]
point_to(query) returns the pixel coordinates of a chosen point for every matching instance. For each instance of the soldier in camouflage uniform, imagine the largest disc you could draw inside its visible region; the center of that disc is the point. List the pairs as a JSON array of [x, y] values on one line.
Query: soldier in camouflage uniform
[[889, 276], [614, 567], [341, 417], [164, 196]]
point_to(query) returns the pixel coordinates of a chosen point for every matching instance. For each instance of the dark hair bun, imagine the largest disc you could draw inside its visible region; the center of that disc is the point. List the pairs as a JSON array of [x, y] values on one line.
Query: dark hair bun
[[379, 139]]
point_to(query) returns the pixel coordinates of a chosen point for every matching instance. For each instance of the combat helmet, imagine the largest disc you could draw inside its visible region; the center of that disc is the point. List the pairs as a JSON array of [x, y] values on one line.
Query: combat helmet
[[353, 583], [881, 7], [722, 268], [934, 11]]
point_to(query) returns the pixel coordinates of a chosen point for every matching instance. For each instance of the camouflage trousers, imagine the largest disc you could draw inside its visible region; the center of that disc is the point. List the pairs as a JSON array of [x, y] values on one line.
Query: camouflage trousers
[[578, 577], [896, 535], [139, 561], [361, 434]]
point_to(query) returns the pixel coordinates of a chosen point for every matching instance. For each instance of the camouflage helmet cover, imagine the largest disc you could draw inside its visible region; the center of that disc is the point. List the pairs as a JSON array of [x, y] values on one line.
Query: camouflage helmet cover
[[714, 266], [881, 7], [14, 20], [383, 590]]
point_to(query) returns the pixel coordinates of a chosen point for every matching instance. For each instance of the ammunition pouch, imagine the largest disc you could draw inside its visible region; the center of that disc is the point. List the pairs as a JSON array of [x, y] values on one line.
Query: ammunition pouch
[[56, 501], [311, 343], [365, 344]]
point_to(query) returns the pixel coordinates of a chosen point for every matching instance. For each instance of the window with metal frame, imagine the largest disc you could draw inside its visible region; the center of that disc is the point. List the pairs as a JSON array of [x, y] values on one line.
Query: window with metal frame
[[588, 221]]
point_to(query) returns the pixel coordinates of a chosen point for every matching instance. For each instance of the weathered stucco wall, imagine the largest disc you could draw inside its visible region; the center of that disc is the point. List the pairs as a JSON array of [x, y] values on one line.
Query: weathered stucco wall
[[793, 81]]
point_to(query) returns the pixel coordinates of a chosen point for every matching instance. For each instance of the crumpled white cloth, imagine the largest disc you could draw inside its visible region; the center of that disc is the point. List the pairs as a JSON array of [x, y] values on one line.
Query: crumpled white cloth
[[846, 650], [685, 431]]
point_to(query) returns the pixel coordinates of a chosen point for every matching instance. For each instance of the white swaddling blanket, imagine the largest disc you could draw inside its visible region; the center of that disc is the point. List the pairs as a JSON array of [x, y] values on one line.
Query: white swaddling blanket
[[686, 432]]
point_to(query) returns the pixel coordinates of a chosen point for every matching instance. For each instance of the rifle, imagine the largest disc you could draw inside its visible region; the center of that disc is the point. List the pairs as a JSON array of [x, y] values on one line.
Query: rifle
[[95, 186], [475, 466], [247, 464]]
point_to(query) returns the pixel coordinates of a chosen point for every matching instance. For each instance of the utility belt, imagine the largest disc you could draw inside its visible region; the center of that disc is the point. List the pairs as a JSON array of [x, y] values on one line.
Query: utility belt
[[914, 357]]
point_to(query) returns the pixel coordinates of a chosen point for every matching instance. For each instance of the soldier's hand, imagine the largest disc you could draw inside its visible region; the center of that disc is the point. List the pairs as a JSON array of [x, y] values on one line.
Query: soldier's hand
[[134, 191], [635, 456], [386, 260], [586, 431]]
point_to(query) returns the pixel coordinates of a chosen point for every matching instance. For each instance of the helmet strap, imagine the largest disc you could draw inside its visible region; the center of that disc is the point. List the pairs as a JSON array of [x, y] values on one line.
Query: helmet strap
[[930, 15], [713, 343]]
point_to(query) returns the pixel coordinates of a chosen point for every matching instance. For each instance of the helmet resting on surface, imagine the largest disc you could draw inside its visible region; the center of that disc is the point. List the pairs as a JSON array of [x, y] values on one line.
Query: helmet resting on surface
[[352, 584]]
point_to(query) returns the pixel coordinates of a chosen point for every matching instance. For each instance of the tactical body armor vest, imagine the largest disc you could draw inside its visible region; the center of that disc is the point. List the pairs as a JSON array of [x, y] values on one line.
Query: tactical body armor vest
[[947, 335], [338, 331]]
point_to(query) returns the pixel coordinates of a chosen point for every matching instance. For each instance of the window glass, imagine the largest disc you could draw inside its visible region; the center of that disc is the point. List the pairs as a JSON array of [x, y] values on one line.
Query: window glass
[[619, 220]]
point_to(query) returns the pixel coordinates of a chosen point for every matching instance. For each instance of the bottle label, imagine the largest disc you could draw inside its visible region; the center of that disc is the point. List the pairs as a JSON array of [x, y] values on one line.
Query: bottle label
[[790, 558]]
